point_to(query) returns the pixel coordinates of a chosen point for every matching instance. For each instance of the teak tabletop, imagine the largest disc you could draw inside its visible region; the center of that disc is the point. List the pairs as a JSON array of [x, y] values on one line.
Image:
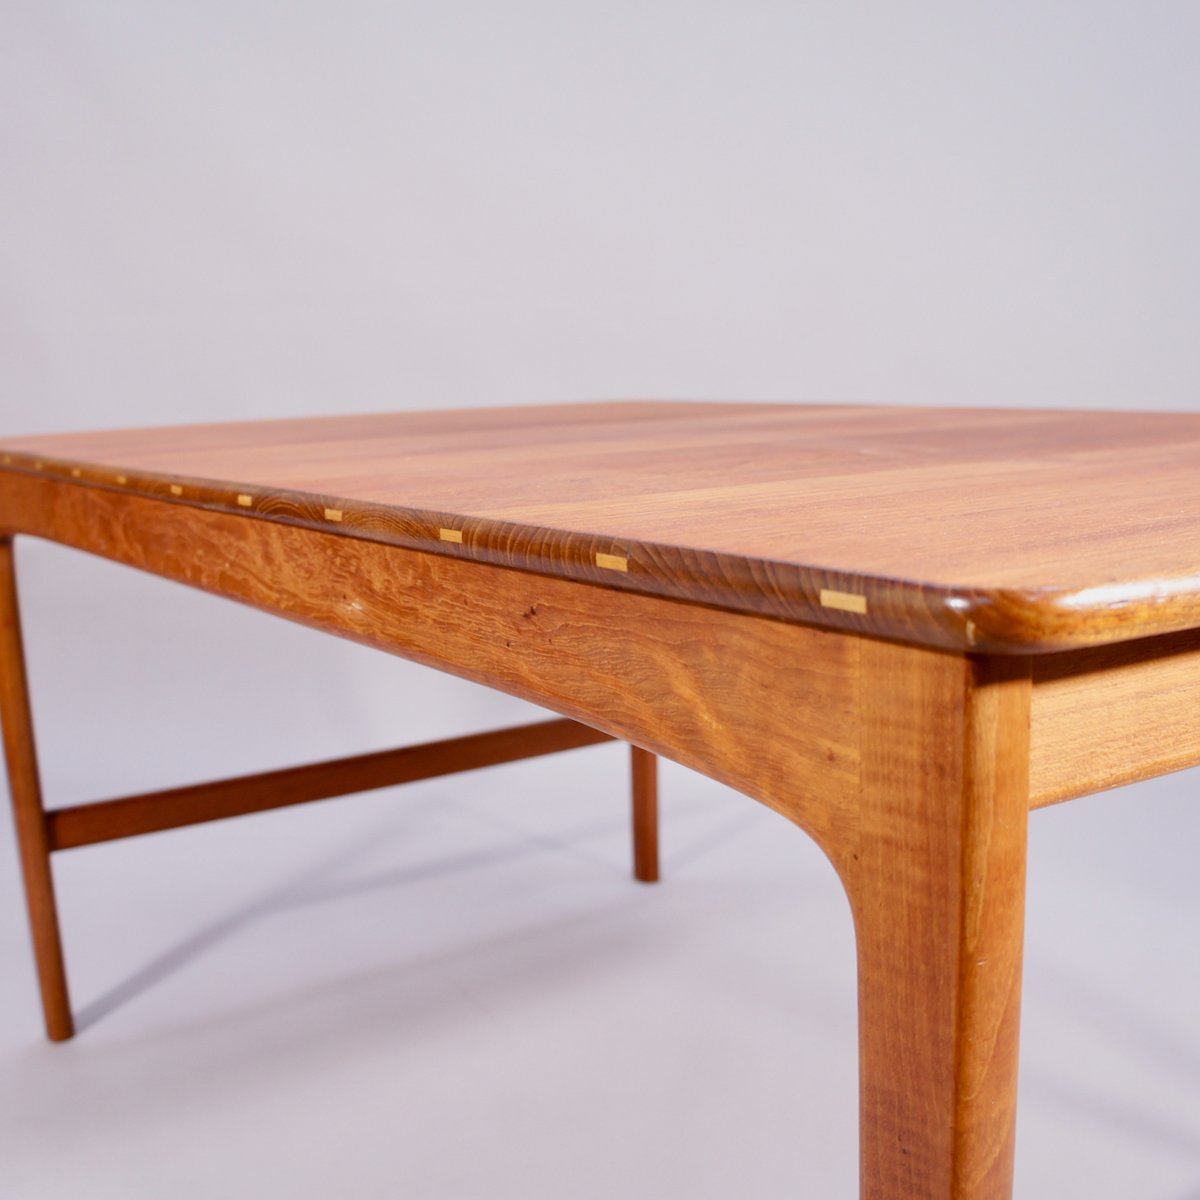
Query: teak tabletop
[[994, 530], [900, 628]]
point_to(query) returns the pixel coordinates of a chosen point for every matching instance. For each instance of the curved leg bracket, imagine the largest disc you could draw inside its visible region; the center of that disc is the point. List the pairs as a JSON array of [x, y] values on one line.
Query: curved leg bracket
[[908, 766]]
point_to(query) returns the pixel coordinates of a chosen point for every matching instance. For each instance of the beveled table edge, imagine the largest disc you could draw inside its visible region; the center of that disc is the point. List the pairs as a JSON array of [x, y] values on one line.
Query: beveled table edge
[[992, 620]]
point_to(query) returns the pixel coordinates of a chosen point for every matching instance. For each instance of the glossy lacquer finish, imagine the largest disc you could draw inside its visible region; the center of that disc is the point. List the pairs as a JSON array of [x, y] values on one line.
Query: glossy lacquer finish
[[900, 629], [1001, 531]]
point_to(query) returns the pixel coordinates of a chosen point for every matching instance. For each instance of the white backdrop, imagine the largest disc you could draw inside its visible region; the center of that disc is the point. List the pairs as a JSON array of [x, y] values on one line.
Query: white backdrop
[[215, 211]]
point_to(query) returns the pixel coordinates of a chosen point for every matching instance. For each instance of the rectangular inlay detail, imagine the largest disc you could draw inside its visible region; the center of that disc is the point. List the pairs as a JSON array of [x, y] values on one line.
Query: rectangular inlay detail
[[995, 537], [846, 601], [982, 531]]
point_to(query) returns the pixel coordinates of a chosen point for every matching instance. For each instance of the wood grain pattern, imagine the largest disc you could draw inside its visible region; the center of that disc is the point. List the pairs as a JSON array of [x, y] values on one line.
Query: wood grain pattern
[[904, 763], [1114, 715], [698, 684], [152, 812], [937, 885], [24, 783], [663, 572], [1000, 531]]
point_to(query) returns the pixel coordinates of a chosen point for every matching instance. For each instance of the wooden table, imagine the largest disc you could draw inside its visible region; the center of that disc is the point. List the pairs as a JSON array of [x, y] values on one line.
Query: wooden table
[[901, 629]]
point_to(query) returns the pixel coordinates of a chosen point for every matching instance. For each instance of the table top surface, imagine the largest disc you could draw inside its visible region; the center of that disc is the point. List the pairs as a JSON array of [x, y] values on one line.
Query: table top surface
[[997, 530]]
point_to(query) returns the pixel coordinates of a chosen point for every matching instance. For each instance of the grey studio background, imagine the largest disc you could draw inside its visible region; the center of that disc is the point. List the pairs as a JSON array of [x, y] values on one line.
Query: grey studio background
[[220, 211]]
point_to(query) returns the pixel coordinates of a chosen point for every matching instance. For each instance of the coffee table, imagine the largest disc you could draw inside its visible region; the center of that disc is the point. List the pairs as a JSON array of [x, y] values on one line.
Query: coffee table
[[901, 629]]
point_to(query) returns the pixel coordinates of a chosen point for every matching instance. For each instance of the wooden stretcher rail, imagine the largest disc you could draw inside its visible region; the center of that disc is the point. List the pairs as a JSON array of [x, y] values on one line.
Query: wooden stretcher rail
[[151, 812]]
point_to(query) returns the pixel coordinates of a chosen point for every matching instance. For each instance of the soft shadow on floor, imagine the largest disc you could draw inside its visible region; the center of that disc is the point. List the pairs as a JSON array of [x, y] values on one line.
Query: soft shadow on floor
[[1109, 1012], [1120, 1022], [314, 886], [1125, 1120]]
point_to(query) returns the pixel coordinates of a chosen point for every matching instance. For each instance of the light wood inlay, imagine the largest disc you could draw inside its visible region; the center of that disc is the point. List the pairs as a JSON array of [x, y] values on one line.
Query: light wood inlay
[[533, 636], [898, 628], [846, 601], [979, 530]]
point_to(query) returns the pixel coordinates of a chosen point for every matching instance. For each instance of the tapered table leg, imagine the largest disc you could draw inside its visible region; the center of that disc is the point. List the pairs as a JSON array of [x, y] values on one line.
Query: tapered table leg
[[645, 815], [937, 886], [29, 815]]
